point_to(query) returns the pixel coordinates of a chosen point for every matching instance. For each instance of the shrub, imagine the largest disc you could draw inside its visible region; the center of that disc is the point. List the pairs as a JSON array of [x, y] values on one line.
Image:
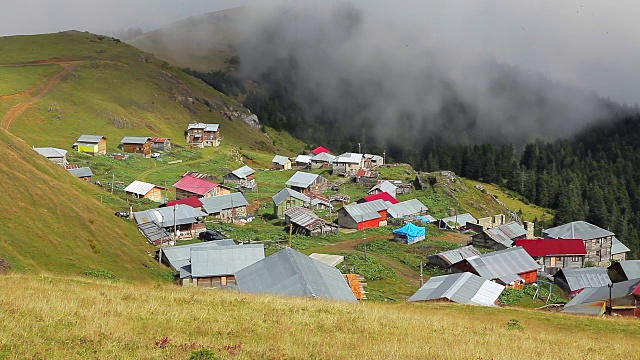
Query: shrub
[[102, 274], [203, 354]]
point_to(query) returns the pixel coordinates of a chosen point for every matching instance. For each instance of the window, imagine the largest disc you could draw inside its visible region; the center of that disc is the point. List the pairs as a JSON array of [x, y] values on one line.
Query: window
[[575, 259]]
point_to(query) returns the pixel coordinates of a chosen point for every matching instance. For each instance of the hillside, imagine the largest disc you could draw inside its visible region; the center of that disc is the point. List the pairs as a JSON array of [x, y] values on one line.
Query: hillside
[[164, 322]]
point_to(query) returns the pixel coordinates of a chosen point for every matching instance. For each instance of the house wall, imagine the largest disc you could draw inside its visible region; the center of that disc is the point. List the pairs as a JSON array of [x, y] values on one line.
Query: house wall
[[348, 168], [373, 223], [155, 195], [62, 161], [229, 214], [287, 166], [102, 147], [619, 257], [346, 221], [164, 146], [553, 264], [86, 178], [213, 282], [529, 277], [144, 149], [484, 241], [285, 205], [220, 190], [599, 250]]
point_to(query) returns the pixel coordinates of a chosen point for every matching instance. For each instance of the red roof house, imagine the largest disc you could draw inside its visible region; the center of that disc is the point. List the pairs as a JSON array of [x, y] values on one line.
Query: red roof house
[[320, 150], [381, 196], [190, 186], [555, 254], [192, 201]]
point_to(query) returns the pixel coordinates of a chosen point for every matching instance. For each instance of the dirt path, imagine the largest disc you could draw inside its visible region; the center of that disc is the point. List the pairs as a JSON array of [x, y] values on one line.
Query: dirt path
[[40, 91]]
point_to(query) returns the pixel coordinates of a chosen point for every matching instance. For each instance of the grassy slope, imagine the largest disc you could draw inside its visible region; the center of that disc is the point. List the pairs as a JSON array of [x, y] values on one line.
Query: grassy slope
[[60, 322], [16, 79]]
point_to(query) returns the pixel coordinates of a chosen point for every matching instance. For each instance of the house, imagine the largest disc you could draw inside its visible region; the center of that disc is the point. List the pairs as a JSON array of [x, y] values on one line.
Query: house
[[179, 256], [91, 144], [305, 222], [447, 258], [281, 162], [190, 186], [618, 250], [156, 234], [500, 237], [215, 267], [58, 156], [597, 240], [322, 160], [286, 199], [409, 234], [243, 177], [411, 208], [463, 288], [319, 201], [595, 300], [185, 220], [555, 254], [289, 272], [160, 144], [192, 201], [571, 280], [144, 190], [379, 196], [363, 216], [371, 161], [305, 182], [456, 222], [320, 150], [383, 186], [227, 208], [198, 175], [82, 173], [512, 267], [303, 161], [366, 177], [347, 164], [203, 135], [624, 270], [331, 260], [137, 145]]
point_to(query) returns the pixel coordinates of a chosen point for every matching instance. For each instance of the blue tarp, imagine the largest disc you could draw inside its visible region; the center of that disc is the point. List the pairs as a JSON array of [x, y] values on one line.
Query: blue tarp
[[412, 232], [427, 219]]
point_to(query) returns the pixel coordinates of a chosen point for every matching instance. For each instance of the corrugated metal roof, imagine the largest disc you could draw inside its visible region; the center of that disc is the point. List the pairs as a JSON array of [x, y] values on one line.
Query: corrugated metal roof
[[591, 300], [135, 140], [501, 263], [280, 160], [461, 219], [139, 188], [195, 185], [381, 196], [457, 255], [302, 179], [51, 152], [184, 214], [349, 158], [586, 277], [617, 247], [159, 140], [577, 230], [463, 288], [366, 211], [631, 268], [154, 232], [91, 139], [223, 260], [179, 256], [331, 260], [192, 201], [547, 247], [505, 234], [216, 204], [323, 157], [304, 159], [285, 193], [303, 217], [205, 127], [376, 158], [320, 150], [81, 172], [407, 208], [384, 186], [243, 172], [288, 272]]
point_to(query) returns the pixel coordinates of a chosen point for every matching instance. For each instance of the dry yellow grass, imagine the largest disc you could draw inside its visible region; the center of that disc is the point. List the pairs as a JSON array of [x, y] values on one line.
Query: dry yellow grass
[[72, 318]]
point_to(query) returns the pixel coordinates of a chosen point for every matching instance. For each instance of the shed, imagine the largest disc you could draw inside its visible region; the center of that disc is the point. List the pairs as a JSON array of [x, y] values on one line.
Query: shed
[[58, 156], [289, 272], [624, 270], [407, 208], [243, 177], [302, 161], [144, 190], [83, 173], [509, 266], [227, 208], [409, 234], [91, 144], [384, 186], [161, 144], [137, 145], [306, 222], [281, 162], [456, 222], [322, 160], [595, 300], [573, 280], [447, 258], [286, 199], [305, 182], [500, 237], [463, 288], [363, 216]]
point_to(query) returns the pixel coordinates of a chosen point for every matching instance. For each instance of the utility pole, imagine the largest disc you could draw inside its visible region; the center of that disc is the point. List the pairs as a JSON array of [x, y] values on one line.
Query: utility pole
[[421, 277], [113, 179], [610, 310], [384, 157], [290, 231], [359, 148], [365, 245], [175, 234]]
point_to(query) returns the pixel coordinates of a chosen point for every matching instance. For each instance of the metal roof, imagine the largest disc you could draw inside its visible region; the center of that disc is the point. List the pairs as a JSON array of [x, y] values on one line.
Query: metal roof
[[578, 279], [373, 157], [305, 159], [505, 234], [460, 219], [349, 158], [139, 188], [331, 260], [463, 288], [407, 208], [154, 232], [280, 160], [302, 179], [320, 150], [591, 300], [366, 211], [81, 172], [617, 247], [195, 185], [457, 255], [384, 186], [178, 256], [631, 268], [91, 139], [184, 214], [216, 204], [159, 140], [286, 193], [303, 217], [381, 196], [547, 247], [577, 230], [135, 139], [289, 272], [243, 172], [222, 260], [192, 201], [512, 261], [50, 152], [323, 157], [205, 127]]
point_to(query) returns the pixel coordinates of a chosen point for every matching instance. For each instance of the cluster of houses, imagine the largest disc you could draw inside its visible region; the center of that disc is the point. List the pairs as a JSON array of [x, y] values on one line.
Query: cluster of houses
[[347, 164]]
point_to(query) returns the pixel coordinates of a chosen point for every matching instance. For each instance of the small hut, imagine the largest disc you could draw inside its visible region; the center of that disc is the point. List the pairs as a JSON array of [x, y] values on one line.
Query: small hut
[[409, 234]]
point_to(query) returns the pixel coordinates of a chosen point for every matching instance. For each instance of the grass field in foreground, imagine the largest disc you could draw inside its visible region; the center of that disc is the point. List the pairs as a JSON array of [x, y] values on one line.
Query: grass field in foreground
[[83, 318]]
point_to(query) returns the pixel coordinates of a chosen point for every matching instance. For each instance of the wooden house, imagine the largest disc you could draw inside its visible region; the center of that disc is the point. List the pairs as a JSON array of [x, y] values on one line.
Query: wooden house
[[305, 222], [598, 241], [281, 162], [136, 145], [302, 161], [305, 182], [57, 156], [555, 254], [192, 186], [144, 190], [286, 199], [366, 177], [226, 208], [91, 144], [187, 222], [322, 160], [384, 186], [347, 164], [242, 178], [82, 173], [500, 237], [203, 135], [362, 216], [160, 144], [371, 161], [512, 267]]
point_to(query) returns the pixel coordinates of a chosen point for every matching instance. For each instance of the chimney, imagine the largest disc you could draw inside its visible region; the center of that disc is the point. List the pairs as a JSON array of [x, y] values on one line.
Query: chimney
[[528, 226]]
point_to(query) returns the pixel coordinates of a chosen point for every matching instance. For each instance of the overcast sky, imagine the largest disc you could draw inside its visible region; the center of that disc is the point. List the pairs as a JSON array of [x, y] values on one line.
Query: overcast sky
[[593, 44]]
